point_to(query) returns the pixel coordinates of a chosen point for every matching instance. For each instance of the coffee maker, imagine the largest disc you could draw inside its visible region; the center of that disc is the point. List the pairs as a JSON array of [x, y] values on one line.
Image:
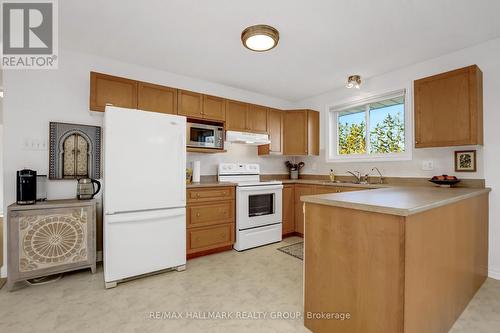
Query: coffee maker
[[26, 187]]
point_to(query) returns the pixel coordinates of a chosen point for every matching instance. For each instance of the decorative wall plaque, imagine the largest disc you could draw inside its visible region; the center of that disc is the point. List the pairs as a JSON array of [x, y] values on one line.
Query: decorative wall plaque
[[75, 151]]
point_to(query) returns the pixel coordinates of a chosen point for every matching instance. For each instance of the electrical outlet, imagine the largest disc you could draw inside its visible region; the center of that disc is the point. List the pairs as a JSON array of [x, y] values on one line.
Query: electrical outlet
[[428, 165]]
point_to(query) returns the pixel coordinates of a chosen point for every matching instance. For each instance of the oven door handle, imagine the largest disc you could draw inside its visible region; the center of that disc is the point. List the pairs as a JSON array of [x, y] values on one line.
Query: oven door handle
[[259, 188]]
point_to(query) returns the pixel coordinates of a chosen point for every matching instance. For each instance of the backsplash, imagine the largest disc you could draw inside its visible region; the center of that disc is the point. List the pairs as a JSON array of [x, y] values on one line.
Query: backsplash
[[239, 153]]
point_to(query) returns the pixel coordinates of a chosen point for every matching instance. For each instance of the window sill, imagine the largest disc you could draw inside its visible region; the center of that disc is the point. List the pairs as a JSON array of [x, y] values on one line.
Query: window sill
[[364, 158]]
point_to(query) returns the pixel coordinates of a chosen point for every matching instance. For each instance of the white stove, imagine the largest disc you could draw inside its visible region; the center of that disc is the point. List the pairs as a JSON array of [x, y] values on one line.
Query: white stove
[[258, 205]]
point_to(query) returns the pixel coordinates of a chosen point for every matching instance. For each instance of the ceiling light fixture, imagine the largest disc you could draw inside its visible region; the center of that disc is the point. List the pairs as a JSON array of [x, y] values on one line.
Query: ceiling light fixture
[[260, 38], [353, 81]]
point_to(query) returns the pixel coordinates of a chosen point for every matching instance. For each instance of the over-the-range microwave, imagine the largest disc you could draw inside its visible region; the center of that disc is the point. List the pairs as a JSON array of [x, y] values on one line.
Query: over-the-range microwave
[[204, 135]]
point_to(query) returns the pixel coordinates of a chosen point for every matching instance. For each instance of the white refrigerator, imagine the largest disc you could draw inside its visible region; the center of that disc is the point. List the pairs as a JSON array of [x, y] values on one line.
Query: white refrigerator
[[144, 193]]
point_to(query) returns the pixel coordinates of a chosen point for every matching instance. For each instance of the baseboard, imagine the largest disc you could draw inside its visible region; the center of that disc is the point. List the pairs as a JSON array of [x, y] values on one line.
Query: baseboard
[[494, 274], [293, 233], [207, 252]]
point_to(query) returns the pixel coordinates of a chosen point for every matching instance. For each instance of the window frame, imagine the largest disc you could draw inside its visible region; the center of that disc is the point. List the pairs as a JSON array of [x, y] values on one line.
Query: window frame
[[332, 143]]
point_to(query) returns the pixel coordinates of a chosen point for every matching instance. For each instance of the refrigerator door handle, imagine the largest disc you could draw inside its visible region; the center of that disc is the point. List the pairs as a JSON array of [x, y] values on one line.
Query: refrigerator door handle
[[145, 215]]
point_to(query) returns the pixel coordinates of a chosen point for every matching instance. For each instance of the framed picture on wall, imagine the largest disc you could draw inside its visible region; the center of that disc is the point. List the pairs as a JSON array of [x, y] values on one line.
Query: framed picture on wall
[[465, 161]]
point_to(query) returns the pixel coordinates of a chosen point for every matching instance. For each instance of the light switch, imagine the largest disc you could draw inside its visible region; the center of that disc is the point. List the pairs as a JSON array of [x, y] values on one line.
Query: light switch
[[34, 144]]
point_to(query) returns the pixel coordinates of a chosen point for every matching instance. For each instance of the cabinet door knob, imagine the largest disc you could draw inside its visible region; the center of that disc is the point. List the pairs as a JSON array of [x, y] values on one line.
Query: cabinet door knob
[[197, 214]]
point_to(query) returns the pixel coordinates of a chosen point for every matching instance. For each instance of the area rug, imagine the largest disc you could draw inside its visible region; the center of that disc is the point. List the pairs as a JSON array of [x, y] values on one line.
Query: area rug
[[295, 250]]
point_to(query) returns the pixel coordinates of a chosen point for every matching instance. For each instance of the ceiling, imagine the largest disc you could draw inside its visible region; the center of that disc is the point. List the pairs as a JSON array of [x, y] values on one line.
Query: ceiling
[[321, 41]]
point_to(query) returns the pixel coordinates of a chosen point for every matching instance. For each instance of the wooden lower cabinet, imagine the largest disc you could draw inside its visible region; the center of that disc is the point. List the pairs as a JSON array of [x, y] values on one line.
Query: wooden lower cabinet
[[202, 215], [288, 210], [301, 190], [209, 238], [210, 220], [325, 189], [394, 274], [309, 189], [209, 194]]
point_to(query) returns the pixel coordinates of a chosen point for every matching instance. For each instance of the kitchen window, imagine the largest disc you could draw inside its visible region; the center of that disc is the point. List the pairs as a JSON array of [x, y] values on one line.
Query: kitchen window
[[373, 129]]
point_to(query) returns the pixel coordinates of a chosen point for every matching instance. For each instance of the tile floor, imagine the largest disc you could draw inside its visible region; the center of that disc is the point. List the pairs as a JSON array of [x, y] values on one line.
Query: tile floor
[[259, 280]]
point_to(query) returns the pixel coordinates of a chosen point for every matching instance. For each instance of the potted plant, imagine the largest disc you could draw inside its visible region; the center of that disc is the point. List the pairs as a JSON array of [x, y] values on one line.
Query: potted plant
[[294, 168]]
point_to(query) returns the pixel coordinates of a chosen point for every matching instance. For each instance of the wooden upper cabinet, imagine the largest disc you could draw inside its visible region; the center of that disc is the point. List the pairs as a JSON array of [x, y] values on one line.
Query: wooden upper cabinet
[[257, 119], [301, 132], [236, 116], [449, 109], [108, 89], [189, 104], [313, 132], [275, 130], [295, 133], [275, 126], [214, 108], [156, 98]]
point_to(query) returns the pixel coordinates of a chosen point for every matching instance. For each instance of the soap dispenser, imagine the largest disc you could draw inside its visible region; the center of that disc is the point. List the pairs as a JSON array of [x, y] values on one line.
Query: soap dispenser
[[332, 175]]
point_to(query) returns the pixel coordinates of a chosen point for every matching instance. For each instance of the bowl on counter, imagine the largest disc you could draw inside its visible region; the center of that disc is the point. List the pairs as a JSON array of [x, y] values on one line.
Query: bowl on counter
[[444, 180]]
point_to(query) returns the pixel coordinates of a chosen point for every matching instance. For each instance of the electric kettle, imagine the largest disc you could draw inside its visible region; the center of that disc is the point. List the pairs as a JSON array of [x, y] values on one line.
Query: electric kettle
[[85, 189]]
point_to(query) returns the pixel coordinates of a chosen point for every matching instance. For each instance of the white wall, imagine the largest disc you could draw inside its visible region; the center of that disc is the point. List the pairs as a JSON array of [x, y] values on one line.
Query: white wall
[[487, 57], [34, 98]]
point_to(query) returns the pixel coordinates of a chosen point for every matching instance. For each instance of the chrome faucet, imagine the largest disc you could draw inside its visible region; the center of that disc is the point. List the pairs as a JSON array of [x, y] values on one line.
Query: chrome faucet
[[356, 175], [380, 175]]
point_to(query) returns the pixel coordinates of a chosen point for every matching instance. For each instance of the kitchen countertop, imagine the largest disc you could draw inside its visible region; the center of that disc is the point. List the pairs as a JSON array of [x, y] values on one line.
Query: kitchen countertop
[[402, 201], [329, 183], [214, 183], [209, 184]]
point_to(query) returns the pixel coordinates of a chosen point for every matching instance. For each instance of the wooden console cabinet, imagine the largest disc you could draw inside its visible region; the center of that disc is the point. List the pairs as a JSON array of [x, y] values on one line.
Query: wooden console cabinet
[[50, 237]]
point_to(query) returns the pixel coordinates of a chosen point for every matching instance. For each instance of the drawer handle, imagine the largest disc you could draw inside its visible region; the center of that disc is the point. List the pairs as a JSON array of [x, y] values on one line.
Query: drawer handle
[[197, 214], [197, 195]]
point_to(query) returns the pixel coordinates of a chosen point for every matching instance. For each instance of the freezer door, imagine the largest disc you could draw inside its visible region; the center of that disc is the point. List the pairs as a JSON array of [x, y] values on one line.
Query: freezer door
[[143, 242], [144, 160]]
